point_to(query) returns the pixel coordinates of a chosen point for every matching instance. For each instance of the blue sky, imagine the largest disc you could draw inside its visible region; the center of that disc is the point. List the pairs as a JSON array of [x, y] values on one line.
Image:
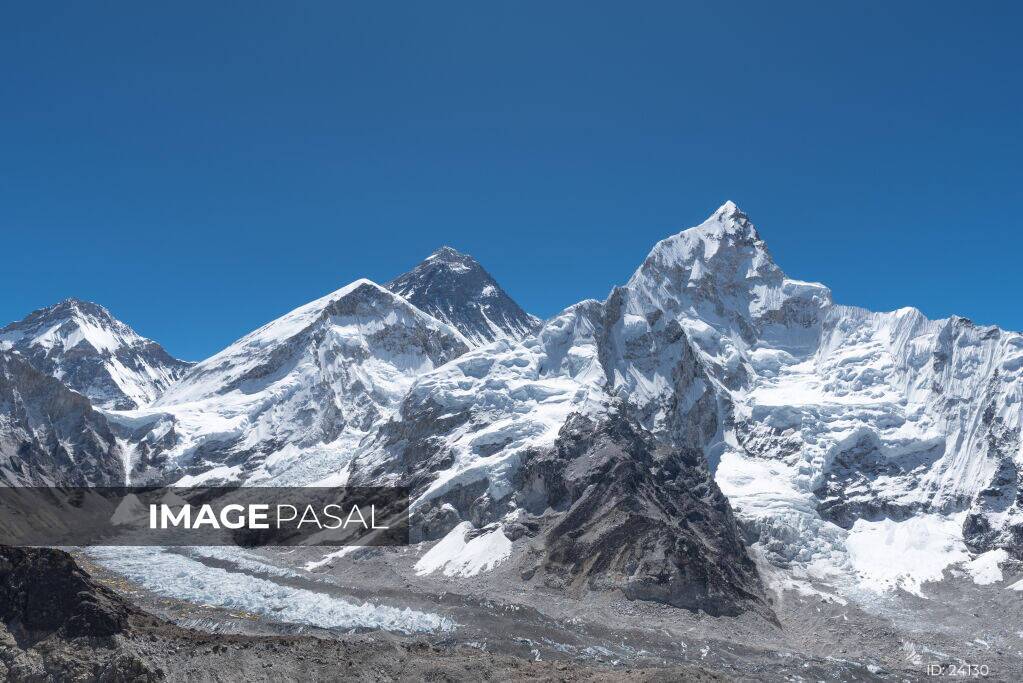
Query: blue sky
[[201, 168]]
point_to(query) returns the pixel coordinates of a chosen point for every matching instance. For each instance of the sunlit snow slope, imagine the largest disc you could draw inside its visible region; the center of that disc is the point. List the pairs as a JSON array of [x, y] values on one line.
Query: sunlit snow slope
[[290, 402]]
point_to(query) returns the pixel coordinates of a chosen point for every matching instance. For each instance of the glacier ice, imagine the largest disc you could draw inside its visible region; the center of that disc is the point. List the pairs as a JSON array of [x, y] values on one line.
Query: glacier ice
[[173, 575]]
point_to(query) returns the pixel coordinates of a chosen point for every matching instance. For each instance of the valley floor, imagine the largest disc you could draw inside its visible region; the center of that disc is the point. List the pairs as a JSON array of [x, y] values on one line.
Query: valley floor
[[483, 625]]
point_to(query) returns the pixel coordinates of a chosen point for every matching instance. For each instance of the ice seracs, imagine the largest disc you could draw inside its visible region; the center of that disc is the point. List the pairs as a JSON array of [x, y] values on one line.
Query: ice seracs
[[85, 347]]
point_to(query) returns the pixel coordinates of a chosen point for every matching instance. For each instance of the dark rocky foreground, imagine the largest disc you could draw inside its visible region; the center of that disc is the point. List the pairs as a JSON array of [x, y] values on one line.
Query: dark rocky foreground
[[61, 625]]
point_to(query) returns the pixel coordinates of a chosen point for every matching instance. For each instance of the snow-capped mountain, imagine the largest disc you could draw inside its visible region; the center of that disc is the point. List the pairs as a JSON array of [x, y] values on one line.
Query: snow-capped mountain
[[827, 426], [94, 353], [50, 435], [455, 288], [612, 443], [290, 401], [498, 436], [832, 422]]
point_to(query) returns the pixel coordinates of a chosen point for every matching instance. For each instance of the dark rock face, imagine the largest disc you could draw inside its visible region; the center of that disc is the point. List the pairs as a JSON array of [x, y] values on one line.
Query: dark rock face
[[1004, 493], [636, 515], [849, 488], [43, 591], [454, 288], [50, 434], [58, 624], [84, 346]]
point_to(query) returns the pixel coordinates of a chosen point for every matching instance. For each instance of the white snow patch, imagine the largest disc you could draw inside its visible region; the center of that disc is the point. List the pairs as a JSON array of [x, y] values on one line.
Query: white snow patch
[[887, 555], [218, 474], [341, 552], [985, 568], [456, 557]]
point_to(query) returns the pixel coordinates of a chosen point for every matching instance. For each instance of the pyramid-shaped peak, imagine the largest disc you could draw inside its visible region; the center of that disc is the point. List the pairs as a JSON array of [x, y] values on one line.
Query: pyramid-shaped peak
[[445, 252], [69, 314], [729, 209], [721, 272], [727, 230], [72, 302], [455, 288], [724, 249], [84, 346]]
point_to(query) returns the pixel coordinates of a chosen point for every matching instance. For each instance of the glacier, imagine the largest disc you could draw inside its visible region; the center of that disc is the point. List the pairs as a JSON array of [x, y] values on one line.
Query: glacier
[[173, 575]]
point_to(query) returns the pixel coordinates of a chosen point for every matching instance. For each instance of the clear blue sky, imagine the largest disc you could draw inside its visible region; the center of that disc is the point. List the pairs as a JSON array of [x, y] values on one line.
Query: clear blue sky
[[201, 168]]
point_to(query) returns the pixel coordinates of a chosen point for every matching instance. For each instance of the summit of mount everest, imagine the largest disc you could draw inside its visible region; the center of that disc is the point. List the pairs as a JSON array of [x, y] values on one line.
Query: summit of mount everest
[[455, 288]]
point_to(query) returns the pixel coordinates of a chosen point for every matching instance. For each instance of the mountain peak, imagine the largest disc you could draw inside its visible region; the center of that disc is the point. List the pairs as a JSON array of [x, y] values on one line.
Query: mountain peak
[[357, 320], [729, 209], [92, 352], [733, 220], [447, 253], [727, 237], [450, 258], [68, 309], [455, 288], [721, 271]]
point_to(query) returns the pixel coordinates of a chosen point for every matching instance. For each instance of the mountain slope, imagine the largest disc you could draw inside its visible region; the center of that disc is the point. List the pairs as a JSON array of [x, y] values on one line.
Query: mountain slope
[[454, 288], [95, 354], [290, 401], [821, 423], [50, 435]]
